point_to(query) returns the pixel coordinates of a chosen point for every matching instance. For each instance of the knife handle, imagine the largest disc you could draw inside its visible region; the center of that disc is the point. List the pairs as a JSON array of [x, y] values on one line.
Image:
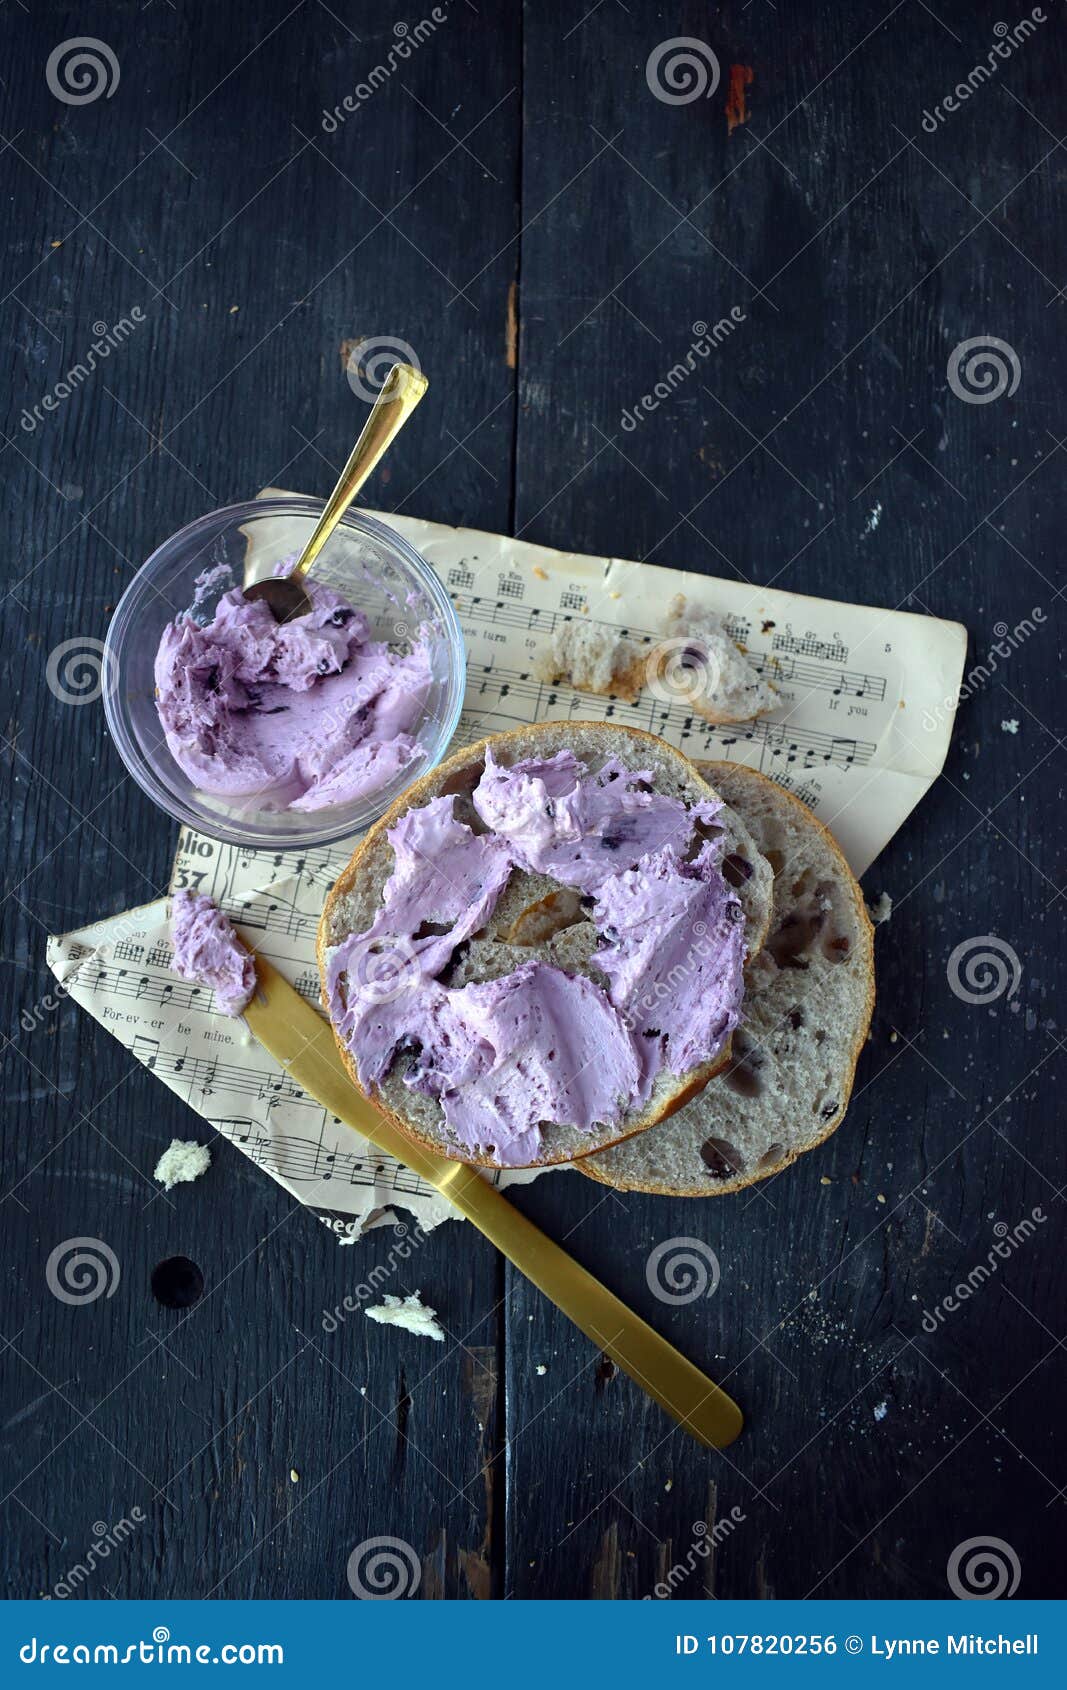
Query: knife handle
[[297, 1036], [687, 1395]]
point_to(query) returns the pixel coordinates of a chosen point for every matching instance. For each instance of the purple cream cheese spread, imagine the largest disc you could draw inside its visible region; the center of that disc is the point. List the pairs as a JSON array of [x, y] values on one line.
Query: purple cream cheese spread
[[291, 716], [208, 952], [539, 1045]]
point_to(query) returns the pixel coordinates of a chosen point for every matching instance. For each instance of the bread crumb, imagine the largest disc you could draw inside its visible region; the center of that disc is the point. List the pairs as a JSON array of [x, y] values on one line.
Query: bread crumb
[[541, 1369], [706, 669], [881, 1197], [294, 1476], [881, 910], [542, 574], [411, 1313], [593, 658], [1010, 727], [826, 1180], [894, 1036], [182, 1160], [669, 1485], [881, 1409]]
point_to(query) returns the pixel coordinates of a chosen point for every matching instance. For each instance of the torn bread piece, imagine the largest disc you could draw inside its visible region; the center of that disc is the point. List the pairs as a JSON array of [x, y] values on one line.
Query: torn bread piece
[[709, 669], [806, 1013], [182, 1160], [593, 658], [410, 1313], [584, 907]]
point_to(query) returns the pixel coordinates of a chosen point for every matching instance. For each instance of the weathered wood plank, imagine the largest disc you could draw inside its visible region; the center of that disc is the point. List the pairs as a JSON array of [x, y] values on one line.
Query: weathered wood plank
[[866, 1458], [277, 242]]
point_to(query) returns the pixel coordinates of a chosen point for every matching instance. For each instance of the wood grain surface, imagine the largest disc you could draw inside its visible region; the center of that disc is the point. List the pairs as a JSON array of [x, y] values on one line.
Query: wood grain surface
[[515, 202]]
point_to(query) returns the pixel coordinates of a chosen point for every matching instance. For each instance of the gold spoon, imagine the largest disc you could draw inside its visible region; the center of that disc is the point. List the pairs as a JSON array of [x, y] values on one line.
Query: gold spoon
[[400, 392]]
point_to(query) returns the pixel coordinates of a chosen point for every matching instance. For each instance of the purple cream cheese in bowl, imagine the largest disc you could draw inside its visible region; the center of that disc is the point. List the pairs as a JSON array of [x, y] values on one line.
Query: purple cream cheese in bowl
[[282, 736]]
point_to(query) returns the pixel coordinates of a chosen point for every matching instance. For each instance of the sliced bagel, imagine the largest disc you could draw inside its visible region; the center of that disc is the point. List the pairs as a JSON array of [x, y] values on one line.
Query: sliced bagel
[[534, 916], [807, 1009]]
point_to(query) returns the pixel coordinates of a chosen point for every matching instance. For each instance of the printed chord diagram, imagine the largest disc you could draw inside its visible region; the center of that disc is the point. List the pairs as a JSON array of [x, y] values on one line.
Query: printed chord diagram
[[460, 576], [800, 789], [159, 956], [511, 586], [811, 646], [128, 951], [572, 598], [308, 985], [738, 627]]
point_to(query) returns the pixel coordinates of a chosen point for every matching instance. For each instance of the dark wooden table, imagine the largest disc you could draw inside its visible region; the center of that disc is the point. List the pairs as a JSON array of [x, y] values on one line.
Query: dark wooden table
[[515, 202]]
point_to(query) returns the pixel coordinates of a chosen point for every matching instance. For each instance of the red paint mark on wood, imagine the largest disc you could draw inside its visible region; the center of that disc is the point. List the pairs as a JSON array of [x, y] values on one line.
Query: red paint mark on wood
[[736, 108], [511, 328]]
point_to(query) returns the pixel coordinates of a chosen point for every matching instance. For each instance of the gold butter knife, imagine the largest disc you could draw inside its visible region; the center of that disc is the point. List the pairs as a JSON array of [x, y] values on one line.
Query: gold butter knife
[[298, 1037]]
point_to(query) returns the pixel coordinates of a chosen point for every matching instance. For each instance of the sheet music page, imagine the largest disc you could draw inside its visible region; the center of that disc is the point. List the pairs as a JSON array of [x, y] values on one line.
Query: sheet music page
[[868, 698]]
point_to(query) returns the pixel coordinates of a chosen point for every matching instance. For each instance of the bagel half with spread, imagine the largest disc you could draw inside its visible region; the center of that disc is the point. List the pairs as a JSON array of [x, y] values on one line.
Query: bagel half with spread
[[538, 951]]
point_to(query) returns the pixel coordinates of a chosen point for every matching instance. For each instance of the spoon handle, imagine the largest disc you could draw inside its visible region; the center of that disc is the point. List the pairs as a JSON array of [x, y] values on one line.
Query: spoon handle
[[400, 392]]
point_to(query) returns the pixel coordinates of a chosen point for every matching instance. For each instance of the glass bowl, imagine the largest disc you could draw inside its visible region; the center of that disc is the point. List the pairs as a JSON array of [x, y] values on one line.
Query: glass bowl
[[367, 563]]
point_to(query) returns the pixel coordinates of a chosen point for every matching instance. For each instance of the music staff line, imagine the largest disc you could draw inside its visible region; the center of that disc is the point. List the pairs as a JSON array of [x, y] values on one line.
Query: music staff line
[[808, 746], [209, 1074], [306, 1159]]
